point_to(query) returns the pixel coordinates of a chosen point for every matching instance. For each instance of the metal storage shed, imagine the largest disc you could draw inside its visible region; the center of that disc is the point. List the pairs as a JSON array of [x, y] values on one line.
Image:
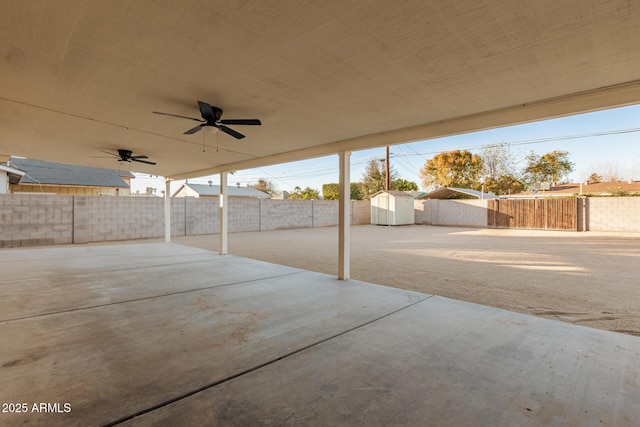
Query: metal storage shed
[[392, 208]]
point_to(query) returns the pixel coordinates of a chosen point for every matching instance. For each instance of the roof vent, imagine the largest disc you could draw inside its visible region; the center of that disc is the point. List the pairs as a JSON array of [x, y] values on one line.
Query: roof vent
[[210, 183]]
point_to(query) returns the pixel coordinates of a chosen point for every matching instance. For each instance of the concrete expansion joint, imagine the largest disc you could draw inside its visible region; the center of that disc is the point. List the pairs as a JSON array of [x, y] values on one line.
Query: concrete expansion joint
[[168, 294], [262, 365]]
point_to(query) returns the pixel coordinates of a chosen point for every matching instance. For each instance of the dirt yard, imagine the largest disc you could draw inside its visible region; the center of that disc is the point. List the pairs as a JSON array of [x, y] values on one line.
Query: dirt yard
[[590, 279]]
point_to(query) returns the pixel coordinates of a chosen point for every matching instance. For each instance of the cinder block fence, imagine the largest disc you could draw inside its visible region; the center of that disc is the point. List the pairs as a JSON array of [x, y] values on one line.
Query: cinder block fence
[[32, 219]]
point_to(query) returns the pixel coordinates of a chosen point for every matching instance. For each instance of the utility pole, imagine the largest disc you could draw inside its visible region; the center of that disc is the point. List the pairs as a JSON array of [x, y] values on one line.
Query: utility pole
[[388, 179]]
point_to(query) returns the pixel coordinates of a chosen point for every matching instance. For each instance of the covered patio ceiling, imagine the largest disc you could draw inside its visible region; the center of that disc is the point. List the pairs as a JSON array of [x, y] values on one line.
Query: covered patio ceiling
[[82, 77]]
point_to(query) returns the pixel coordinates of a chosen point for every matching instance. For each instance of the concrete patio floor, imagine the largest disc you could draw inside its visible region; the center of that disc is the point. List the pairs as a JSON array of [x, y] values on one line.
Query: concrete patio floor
[[164, 334]]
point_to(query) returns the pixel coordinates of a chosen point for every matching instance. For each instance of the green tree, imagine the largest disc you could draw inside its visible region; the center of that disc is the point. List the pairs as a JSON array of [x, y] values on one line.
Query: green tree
[[594, 178], [307, 194], [330, 191], [265, 185], [505, 184], [374, 178], [453, 169], [404, 185], [550, 167], [356, 191]]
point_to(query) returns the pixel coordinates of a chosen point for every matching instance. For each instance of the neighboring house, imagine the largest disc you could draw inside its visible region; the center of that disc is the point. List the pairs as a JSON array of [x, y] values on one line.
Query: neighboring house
[[204, 190], [9, 175], [283, 195], [62, 178], [456, 193], [621, 188]]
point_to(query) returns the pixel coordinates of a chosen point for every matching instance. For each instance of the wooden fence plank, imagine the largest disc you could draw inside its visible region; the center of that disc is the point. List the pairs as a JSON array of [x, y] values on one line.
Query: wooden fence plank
[[540, 214]]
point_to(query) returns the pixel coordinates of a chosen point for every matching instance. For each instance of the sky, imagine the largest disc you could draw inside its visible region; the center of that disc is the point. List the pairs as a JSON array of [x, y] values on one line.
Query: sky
[[599, 142]]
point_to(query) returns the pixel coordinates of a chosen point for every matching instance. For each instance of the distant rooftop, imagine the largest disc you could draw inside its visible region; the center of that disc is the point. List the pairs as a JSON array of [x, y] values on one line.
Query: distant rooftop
[[50, 173], [214, 190], [602, 188]]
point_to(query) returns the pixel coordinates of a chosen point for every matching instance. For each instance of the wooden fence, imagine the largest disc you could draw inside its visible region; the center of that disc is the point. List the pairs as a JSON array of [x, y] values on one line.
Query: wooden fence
[[541, 214]]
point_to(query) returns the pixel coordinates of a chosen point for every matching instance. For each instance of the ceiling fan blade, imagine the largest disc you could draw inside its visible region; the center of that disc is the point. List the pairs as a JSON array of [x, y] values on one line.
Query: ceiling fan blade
[[139, 157], [109, 153], [193, 130], [143, 161], [177, 115], [231, 132], [206, 111], [248, 122]]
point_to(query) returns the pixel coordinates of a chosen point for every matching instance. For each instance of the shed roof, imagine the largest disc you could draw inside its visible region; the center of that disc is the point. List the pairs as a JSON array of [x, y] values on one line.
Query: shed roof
[[451, 192], [214, 190], [43, 172], [395, 193]]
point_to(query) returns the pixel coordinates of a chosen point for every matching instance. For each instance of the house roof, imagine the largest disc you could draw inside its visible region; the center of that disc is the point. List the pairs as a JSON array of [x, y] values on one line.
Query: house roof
[[451, 192], [593, 188], [50, 173], [214, 190]]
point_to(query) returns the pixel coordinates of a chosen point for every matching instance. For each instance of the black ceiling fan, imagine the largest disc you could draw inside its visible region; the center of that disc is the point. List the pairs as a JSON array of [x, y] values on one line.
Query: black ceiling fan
[[212, 116], [126, 156]]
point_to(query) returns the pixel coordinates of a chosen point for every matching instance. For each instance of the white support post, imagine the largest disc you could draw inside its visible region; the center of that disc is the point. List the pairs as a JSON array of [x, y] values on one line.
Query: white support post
[[167, 210], [223, 213], [344, 216]]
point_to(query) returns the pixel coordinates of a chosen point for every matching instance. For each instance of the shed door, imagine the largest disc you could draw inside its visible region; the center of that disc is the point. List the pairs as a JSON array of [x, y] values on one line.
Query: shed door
[[383, 211]]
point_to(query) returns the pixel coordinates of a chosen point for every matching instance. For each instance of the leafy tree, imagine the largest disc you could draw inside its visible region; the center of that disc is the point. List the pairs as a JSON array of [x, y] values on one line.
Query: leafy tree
[[404, 185], [265, 185], [374, 178], [550, 167], [356, 191], [330, 191], [504, 184], [498, 161], [307, 194], [594, 178], [453, 169]]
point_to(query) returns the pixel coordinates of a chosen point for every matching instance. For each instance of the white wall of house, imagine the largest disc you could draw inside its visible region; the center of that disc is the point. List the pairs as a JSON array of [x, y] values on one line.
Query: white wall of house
[[185, 191], [4, 183]]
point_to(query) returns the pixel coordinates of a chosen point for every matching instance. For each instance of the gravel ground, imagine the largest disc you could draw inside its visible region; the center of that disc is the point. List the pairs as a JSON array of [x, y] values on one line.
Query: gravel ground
[[590, 279]]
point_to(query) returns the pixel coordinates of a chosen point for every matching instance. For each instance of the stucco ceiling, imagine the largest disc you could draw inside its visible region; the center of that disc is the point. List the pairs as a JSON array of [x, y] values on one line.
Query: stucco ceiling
[[79, 77]]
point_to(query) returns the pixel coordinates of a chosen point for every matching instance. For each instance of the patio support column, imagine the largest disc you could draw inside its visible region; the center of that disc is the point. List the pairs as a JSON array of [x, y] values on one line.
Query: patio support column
[[167, 210], [223, 213], [344, 216]]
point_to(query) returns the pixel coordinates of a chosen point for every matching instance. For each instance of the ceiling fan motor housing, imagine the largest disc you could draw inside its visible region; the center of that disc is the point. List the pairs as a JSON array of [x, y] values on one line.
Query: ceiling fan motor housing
[[125, 155]]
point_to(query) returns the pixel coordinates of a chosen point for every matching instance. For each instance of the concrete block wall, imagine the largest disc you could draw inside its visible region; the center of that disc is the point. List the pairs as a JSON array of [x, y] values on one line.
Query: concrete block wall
[[284, 214], [360, 212], [202, 215], [29, 220], [466, 213], [422, 212], [122, 218], [613, 214], [32, 220], [325, 213], [244, 214], [178, 217]]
